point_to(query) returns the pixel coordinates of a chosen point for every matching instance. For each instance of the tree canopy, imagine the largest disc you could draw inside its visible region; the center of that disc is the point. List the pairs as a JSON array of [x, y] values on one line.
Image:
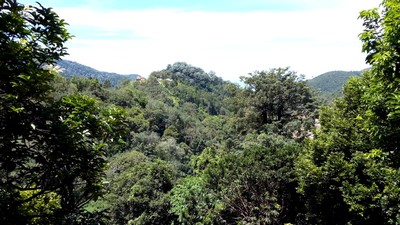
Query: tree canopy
[[52, 151], [186, 147], [348, 174]]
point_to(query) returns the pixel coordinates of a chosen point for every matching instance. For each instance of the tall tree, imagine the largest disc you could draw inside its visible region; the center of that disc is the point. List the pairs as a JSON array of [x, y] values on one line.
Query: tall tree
[[349, 173], [51, 152], [277, 96]]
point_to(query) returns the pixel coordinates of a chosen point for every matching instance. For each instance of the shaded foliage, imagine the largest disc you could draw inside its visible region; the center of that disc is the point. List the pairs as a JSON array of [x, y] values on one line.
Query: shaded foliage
[[348, 173]]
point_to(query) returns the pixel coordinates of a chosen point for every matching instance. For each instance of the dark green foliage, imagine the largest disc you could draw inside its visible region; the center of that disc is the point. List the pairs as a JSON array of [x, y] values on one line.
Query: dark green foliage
[[51, 151], [253, 186], [138, 190], [30, 39], [348, 173], [193, 203], [278, 101]]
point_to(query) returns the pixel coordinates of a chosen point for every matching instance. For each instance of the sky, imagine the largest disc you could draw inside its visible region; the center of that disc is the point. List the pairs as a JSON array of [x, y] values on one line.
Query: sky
[[230, 37]]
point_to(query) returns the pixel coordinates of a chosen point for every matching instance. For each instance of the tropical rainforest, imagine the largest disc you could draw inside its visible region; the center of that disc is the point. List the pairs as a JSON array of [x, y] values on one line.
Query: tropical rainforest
[[186, 147]]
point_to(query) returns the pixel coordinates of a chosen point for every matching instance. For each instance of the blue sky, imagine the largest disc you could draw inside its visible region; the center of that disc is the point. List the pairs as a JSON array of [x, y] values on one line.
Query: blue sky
[[230, 37], [203, 5]]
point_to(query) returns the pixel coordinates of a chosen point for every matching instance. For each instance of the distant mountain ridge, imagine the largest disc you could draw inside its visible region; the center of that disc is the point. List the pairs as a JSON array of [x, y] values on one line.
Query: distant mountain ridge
[[70, 69], [330, 84], [332, 81]]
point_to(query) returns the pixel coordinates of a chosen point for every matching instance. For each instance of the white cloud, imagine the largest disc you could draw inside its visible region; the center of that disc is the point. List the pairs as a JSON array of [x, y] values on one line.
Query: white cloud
[[229, 43]]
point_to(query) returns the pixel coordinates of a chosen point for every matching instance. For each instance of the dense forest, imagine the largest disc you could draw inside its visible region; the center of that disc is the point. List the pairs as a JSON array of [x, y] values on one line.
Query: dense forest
[[186, 147], [328, 85]]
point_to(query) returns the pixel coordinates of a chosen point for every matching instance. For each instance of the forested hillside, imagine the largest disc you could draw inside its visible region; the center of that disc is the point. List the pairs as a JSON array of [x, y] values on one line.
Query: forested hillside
[[70, 69], [186, 147], [329, 85]]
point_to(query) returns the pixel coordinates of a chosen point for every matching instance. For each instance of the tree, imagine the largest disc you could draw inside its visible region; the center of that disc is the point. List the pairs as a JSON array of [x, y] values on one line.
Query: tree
[[349, 172], [51, 151], [252, 185], [31, 38], [277, 97], [194, 203], [380, 42], [138, 190]]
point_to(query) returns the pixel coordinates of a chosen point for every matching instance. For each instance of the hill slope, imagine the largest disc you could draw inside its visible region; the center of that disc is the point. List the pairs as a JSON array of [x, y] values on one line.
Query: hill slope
[[70, 69], [333, 81], [330, 84]]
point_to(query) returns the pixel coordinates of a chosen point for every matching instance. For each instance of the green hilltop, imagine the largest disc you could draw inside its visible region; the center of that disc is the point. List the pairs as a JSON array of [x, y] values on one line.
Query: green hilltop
[[329, 85]]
